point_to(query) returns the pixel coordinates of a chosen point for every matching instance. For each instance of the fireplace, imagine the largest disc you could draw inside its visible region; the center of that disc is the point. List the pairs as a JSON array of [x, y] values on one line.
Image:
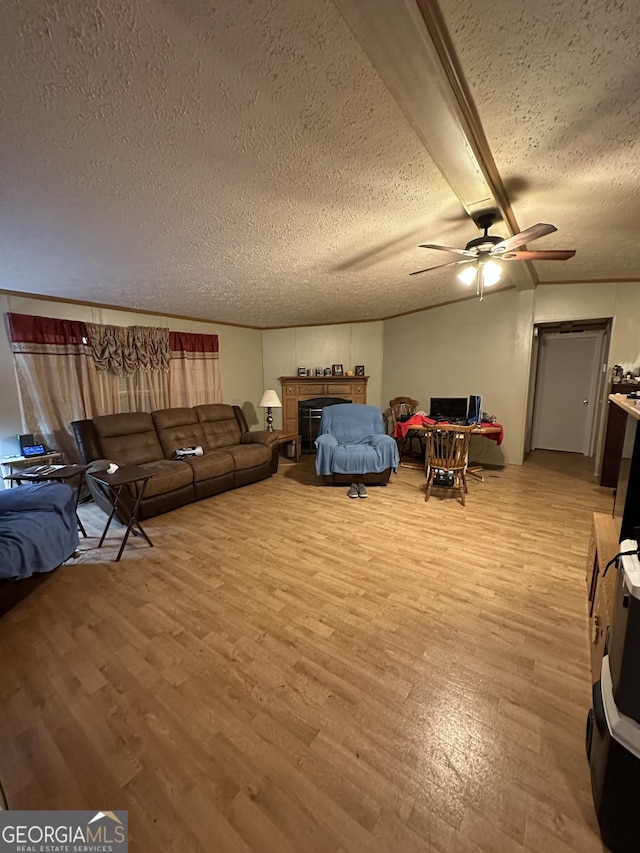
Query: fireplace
[[309, 415]]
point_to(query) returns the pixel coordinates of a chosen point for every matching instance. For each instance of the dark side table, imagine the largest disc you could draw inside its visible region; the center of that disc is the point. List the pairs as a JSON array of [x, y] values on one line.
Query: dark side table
[[290, 437], [53, 473], [113, 485]]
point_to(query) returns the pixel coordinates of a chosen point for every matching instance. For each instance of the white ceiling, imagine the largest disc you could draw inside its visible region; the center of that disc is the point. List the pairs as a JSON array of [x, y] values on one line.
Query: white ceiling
[[277, 162]]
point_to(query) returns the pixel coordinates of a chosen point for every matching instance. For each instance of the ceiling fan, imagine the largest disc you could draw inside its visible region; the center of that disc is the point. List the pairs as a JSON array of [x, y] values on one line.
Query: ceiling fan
[[483, 255]]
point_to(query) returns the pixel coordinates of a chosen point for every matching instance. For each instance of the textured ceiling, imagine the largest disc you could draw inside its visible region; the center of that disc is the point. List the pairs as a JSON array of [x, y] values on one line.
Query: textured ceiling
[[247, 162]]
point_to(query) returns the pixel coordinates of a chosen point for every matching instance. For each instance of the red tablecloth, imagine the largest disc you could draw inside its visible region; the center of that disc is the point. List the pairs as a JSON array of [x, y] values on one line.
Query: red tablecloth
[[403, 427]]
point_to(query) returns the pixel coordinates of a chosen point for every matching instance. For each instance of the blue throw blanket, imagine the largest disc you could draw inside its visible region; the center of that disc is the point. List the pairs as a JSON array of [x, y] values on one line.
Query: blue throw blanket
[[352, 440], [38, 528]]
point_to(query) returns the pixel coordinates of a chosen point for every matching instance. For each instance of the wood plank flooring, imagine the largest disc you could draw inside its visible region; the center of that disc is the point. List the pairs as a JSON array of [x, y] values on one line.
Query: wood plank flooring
[[291, 670]]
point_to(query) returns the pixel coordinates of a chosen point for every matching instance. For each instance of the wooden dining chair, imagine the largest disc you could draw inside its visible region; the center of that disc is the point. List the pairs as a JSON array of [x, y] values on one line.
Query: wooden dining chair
[[446, 457], [402, 408]]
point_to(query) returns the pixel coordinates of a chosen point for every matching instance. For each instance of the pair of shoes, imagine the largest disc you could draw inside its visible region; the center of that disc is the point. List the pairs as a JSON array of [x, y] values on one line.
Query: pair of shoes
[[358, 490]]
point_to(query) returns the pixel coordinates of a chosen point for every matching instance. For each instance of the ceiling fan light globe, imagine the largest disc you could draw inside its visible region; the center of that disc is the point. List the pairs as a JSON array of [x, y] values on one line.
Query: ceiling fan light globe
[[491, 273], [468, 275]]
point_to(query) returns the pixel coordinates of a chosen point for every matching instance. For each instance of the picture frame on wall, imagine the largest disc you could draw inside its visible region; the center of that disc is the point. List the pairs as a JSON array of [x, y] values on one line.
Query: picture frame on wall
[[336, 370], [359, 369]]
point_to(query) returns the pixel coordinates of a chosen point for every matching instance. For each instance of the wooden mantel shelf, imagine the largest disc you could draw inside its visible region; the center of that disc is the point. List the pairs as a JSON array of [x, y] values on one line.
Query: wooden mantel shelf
[[297, 388]]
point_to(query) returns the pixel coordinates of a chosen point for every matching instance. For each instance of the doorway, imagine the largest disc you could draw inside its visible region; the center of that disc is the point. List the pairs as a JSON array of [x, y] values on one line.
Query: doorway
[[569, 375]]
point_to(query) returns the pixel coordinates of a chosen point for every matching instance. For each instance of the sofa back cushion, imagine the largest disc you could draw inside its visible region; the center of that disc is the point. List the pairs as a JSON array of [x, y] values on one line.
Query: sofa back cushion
[[177, 428], [129, 438], [219, 425]]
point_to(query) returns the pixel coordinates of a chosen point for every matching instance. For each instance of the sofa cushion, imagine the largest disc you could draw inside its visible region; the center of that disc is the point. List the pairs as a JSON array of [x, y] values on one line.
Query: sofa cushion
[[248, 455], [214, 463], [219, 425], [129, 438], [177, 428], [170, 474]]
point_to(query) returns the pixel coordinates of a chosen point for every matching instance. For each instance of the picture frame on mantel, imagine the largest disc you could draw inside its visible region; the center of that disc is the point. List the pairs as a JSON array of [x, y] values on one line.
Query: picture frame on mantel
[[336, 370], [302, 371], [359, 369]]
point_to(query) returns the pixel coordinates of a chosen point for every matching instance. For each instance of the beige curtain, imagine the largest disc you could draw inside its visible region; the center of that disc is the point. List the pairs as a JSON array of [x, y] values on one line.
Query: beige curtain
[[132, 365], [69, 370], [194, 369], [56, 377], [127, 349]]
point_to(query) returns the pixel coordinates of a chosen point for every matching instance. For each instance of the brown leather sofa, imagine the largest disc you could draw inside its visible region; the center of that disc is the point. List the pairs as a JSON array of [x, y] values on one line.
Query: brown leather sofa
[[233, 456]]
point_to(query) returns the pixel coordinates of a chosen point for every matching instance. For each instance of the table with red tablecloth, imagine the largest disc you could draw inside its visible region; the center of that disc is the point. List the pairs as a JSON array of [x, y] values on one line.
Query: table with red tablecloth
[[489, 430]]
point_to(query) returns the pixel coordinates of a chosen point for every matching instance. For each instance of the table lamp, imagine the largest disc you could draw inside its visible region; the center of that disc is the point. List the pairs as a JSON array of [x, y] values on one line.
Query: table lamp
[[270, 401]]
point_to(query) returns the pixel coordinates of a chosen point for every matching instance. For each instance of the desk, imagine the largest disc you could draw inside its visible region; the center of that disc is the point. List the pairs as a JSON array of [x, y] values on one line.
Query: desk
[[112, 485], [56, 474]]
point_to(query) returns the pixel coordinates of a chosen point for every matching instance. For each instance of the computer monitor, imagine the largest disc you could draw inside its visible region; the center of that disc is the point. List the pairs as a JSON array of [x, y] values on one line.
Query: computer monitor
[[474, 413], [449, 408]]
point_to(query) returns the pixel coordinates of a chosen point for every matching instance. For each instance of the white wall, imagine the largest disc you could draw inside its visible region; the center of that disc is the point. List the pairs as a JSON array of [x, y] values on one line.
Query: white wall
[[10, 416], [475, 347], [285, 350], [470, 347]]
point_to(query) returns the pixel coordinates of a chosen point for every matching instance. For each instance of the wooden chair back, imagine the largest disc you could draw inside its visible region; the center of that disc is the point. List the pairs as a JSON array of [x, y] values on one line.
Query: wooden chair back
[[401, 408], [447, 451]]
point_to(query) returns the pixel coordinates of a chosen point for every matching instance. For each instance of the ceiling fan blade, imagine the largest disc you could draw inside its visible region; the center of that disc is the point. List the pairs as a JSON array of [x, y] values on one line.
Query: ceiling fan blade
[[440, 267], [447, 249], [540, 255], [524, 237]]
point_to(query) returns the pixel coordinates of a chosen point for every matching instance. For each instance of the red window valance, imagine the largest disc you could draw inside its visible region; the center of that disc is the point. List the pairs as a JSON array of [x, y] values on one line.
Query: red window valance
[[26, 329], [192, 342]]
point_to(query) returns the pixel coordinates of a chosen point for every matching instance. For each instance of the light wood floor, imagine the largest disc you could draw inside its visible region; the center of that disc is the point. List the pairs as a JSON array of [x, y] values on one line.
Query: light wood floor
[[291, 670]]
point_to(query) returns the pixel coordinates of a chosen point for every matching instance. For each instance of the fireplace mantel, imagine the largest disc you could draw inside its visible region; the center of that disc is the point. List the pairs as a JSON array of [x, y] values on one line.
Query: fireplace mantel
[[297, 388]]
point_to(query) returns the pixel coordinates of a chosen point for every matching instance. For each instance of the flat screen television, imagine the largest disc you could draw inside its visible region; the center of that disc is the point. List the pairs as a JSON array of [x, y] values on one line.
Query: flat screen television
[[626, 503], [451, 408]]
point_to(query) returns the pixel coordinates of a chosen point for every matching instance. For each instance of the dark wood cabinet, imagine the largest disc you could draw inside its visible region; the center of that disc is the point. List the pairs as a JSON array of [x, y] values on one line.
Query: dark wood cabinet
[[614, 436]]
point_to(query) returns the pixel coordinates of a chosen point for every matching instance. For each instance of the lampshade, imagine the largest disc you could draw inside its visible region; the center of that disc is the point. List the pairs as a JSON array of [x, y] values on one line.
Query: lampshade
[[270, 400]]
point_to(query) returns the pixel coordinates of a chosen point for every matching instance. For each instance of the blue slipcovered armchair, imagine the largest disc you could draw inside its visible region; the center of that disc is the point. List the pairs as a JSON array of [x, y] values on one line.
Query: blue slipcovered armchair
[[352, 445]]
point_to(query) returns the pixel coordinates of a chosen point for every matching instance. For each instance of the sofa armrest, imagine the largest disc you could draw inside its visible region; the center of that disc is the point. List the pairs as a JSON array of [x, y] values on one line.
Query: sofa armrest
[[260, 436], [87, 440]]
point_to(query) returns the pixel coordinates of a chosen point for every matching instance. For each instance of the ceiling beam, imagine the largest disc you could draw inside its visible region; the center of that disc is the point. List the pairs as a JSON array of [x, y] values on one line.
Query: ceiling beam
[[410, 48]]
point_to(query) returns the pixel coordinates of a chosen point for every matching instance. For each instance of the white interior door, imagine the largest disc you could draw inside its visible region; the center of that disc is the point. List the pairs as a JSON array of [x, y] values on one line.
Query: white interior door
[[566, 390]]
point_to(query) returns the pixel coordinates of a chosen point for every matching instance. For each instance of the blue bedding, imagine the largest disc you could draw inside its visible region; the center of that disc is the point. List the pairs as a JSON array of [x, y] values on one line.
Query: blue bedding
[[352, 440], [38, 528]]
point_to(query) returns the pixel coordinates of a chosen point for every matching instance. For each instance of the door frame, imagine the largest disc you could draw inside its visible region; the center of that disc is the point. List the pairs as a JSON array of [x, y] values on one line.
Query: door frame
[[593, 442]]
